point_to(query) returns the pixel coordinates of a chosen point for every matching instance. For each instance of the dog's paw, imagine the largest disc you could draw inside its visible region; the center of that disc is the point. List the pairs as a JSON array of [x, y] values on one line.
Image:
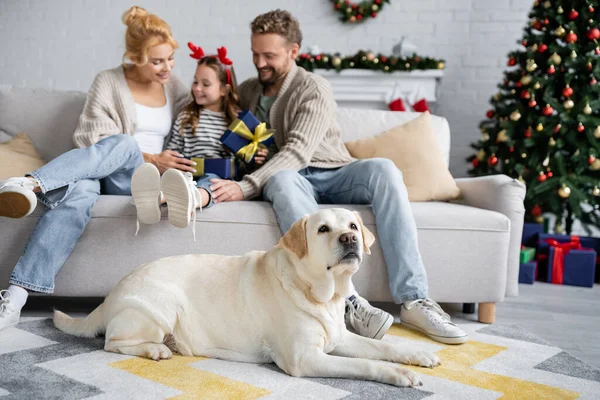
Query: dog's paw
[[158, 352], [402, 377], [420, 358]]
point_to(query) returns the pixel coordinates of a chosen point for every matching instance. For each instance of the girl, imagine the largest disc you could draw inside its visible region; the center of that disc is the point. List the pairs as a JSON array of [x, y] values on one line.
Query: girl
[[196, 133], [127, 115]]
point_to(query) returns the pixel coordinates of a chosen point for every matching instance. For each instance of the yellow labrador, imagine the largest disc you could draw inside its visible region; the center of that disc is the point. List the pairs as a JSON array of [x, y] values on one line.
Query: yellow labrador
[[285, 306]]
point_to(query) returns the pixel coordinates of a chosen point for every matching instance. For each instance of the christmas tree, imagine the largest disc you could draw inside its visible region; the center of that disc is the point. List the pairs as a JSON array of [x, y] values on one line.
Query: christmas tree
[[544, 127]]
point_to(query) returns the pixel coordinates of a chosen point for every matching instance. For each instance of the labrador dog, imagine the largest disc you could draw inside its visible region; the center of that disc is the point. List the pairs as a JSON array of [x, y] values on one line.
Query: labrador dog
[[285, 305]]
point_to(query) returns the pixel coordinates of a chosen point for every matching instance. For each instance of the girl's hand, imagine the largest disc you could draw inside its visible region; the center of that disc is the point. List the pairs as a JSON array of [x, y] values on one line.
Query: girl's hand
[[261, 156], [172, 159]]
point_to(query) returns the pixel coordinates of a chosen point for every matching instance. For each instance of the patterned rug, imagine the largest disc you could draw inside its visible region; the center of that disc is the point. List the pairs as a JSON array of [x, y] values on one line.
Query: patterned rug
[[499, 362]]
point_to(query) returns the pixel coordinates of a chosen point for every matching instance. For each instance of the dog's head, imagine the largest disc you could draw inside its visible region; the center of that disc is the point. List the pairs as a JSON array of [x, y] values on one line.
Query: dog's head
[[329, 246]]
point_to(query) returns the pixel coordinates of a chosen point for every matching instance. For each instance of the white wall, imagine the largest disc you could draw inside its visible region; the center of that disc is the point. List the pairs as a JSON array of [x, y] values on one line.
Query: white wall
[[64, 43]]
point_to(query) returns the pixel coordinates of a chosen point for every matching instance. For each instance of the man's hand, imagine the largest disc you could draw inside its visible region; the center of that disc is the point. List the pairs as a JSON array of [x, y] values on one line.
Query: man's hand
[[261, 156], [170, 159], [225, 190]]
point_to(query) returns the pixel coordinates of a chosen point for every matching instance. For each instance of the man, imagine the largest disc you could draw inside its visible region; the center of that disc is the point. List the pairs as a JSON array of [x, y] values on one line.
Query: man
[[312, 166]]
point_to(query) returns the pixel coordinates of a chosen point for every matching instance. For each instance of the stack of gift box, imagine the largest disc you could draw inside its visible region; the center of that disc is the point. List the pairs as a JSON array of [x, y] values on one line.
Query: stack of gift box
[[559, 259]]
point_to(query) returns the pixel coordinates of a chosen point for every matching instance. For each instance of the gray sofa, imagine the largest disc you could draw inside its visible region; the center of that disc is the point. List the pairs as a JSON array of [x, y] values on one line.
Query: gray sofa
[[470, 246]]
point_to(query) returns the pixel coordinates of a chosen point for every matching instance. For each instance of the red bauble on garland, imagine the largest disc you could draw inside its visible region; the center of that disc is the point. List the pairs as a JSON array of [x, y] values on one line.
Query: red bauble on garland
[[548, 110], [571, 37], [573, 14], [593, 34], [358, 12]]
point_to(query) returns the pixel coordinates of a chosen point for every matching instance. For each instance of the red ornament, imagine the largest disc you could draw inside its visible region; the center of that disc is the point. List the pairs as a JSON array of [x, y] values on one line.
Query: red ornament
[[318, 57], [557, 128], [548, 110], [573, 14], [546, 21], [532, 103], [528, 133], [377, 1], [580, 127], [475, 162], [589, 66], [536, 210], [518, 84], [551, 70], [593, 82], [597, 50], [383, 59], [571, 37], [542, 48], [593, 34], [337, 6], [524, 43], [542, 177], [512, 149], [346, 2], [591, 9], [537, 25], [511, 62], [568, 91], [373, 15], [591, 159], [490, 114], [359, 17], [354, 6], [549, 174], [493, 160]]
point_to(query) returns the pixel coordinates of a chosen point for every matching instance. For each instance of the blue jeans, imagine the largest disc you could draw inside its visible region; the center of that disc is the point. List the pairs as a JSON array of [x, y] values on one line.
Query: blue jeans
[[375, 181], [204, 183], [71, 184]]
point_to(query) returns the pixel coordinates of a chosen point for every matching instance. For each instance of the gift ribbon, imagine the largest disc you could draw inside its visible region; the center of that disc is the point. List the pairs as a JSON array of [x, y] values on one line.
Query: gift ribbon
[[560, 251], [261, 133]]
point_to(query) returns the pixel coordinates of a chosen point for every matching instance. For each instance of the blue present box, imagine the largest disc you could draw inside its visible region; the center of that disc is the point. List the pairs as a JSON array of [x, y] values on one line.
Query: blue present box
[[527, 272], [580, 268], [531, 232], [225, 168], [239, 134], [576, 265]]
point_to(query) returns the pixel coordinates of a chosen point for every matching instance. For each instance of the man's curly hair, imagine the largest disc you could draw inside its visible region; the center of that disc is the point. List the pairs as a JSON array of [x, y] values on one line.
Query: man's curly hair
[[280, 22]]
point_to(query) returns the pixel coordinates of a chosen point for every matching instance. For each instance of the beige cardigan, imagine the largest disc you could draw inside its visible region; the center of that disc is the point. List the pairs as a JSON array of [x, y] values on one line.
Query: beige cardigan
[[110, 110], [306, 131]]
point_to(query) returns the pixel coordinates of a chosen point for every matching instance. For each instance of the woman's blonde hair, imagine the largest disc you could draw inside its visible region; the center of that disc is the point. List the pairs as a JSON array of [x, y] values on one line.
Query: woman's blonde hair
[[144, 30]]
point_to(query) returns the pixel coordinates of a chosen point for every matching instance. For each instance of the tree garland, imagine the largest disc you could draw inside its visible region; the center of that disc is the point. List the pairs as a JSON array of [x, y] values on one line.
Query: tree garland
[[358, 12], [367, 60]]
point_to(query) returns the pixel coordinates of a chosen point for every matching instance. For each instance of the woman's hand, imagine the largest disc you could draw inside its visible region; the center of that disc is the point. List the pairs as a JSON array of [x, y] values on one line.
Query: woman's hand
[[170, 159], [225, 190], [261, 156]]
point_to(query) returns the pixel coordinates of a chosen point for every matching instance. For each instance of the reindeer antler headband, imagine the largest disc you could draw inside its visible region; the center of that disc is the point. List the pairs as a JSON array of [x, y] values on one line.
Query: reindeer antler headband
[[198, 54]]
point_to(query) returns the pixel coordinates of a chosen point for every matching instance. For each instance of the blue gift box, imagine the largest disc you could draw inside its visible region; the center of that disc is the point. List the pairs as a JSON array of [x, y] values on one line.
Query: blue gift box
[[527, 272], [580, 268], [225, 168], [531, 232], [235, 142]]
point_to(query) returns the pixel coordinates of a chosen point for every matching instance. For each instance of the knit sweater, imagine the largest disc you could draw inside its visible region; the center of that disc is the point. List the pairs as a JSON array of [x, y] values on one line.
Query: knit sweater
[[306, 131], [110, 110]]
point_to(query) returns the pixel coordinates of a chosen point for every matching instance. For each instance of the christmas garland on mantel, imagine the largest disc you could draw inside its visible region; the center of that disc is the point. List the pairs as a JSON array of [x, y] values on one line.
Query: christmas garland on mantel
[[358, 12], [367, 60]]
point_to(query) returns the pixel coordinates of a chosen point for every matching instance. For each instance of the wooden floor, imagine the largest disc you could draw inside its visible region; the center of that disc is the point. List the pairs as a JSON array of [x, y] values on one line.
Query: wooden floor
[[566, 316]]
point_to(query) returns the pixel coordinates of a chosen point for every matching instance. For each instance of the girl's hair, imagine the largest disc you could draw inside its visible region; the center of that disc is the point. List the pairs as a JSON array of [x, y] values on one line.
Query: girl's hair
[[144, 30], [230, 104]]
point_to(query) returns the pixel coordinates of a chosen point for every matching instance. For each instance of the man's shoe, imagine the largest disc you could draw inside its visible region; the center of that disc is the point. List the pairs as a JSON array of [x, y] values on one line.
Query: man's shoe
[[9, 315], [366, 320], [426, 316], [17, 199]]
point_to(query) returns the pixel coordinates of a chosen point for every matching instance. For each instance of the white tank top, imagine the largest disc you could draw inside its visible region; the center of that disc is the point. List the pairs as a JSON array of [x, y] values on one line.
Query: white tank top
[[153, 126]]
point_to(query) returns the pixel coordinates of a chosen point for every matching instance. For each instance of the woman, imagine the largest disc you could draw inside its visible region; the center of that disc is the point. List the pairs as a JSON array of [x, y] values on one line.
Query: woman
[[127, 115]]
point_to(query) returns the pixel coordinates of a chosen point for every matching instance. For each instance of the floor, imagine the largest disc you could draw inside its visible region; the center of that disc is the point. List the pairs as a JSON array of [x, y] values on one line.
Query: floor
[[566, 316]]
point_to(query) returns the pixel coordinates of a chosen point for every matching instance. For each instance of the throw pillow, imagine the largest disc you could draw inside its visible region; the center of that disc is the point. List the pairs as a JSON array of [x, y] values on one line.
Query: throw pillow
[[414, 150], [18, 156]]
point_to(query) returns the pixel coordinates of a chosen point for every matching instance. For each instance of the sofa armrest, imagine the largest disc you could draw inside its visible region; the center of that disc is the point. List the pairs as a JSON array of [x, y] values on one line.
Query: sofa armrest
[[505, 195]]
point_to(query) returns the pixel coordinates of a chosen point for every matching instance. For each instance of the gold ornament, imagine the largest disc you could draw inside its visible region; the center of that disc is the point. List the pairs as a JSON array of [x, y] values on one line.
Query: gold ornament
[[559, 10], [597, 132], [560, 31], [568, 104], [515, 115], [546, 161], [348, 10], [595, 166], [481, 155], [523, 155], [351, 64], [485, 137], [531, 65], [564, 191], [552, 142], [375, 7], [441, 65], [497, 96], [353, 19], [501, 137], [407, 65], [547, 4], [386, 68], [539, 220], [325, 59], [537, 85], [376, 60], [336, 61], [534, 48], [555, 58], [370, 56], [573, 54], [539, 127], [558, 228], [526, 80], [596, 191], [513, 91], [587, 109]]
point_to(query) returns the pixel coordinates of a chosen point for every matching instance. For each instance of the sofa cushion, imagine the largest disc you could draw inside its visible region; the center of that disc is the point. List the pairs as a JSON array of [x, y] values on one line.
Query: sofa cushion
[[18, 156], [48, 116], [412, 147]]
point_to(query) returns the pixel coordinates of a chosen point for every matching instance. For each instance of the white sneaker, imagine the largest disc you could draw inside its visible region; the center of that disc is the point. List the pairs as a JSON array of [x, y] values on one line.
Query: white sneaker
[[426, 316], [145, 190], [182, 197], [9, 315], [366, 320], [17, 199]]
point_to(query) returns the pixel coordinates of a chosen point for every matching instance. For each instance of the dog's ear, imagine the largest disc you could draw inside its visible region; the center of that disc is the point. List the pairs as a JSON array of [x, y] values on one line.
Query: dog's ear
[[294, 239], [367, 236]]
